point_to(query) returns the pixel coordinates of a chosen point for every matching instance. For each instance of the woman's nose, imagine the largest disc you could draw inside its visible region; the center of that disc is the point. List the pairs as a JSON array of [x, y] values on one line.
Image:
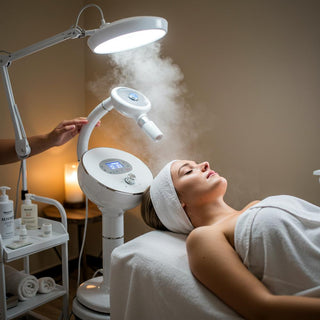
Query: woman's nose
[[204, 166]]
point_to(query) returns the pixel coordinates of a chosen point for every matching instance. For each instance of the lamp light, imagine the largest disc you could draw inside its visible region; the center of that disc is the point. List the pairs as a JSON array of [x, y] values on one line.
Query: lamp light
[[127, 34], [73, 195]]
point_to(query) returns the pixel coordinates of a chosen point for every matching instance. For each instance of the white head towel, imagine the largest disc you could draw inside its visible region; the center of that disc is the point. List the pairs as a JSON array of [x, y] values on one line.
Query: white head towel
[[166, 203]]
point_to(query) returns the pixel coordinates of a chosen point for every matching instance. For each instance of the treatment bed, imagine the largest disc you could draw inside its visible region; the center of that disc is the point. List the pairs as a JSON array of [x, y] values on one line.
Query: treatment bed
[[151, 280]]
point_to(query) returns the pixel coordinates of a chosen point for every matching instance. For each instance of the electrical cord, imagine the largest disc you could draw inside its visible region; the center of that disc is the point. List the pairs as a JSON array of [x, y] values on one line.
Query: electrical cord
[[83, 242], [87, 6], [98, 271], [81, 250], [6, 52], [17, 192], [71, 314]]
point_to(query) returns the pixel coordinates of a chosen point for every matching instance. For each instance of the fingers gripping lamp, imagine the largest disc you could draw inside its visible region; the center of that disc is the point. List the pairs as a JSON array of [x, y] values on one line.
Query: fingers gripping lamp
[[114, 180]]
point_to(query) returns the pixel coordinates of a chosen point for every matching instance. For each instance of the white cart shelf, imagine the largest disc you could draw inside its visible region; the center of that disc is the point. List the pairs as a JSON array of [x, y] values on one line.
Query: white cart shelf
[[37, 301], [59, 237]]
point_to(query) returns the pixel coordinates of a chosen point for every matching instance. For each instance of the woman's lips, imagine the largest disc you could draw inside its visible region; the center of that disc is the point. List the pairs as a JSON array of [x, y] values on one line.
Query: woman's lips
[[211, 173]]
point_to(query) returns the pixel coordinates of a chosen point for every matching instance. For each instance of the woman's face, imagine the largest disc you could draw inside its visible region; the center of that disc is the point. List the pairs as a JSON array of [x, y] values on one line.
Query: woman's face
[[197, 183]]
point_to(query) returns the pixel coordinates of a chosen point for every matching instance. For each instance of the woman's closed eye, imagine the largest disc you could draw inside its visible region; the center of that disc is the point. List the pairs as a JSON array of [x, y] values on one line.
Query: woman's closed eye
[[186, 168]]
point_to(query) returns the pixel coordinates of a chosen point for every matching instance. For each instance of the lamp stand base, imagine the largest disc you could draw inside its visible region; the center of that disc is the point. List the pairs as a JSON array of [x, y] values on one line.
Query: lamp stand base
[[94, 295], [83, 313]]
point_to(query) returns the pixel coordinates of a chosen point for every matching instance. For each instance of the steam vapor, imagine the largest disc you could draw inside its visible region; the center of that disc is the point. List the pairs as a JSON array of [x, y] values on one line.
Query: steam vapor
[[160, 80]]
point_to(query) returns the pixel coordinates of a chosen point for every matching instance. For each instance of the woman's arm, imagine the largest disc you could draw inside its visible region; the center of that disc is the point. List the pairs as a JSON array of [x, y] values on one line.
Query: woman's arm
[[215, 263], [61, 134]]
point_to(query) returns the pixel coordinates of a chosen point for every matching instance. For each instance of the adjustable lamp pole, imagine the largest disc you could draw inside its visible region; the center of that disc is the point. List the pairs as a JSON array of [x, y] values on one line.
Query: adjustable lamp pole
[[21, 142], [21, 145]]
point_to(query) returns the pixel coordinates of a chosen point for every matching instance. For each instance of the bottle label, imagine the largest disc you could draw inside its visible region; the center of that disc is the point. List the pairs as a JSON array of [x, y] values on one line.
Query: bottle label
[[29, 216], [6, 221]]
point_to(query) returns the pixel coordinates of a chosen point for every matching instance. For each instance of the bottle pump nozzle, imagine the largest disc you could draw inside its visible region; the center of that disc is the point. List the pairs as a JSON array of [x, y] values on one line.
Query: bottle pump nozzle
[[27, 199], [4, 196]]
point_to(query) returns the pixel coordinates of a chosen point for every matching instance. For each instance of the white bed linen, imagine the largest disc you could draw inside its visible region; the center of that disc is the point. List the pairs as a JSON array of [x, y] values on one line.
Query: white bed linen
[[151, 280]]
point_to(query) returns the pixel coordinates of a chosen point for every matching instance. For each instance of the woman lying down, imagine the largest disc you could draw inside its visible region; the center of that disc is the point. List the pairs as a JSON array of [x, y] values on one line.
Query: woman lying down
[[262, 261]]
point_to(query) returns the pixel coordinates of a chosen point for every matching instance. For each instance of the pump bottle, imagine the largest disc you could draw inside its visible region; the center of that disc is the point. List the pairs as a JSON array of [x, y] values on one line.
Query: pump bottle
[[29, 213], [6, 215]]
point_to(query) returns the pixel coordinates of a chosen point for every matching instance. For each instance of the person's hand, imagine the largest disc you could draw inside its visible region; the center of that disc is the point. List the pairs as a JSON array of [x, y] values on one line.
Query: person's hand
[[61, 134], [66, 130]]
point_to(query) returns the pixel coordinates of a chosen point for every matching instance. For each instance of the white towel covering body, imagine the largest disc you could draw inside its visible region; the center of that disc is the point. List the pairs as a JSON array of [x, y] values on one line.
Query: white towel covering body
[[278, 240], [18, 283], [151, 280], [46, 284]]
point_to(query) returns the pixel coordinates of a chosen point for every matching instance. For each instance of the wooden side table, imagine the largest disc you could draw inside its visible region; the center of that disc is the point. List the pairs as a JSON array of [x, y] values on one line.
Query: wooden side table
[[76, 216]]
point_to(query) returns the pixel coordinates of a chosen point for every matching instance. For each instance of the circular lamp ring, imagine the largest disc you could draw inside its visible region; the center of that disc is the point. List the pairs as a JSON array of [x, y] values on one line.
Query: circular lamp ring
[[127, 34]]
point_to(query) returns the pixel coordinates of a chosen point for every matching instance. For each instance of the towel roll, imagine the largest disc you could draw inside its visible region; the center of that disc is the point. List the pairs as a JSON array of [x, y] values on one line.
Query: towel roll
[[18, 283], [46, 284]]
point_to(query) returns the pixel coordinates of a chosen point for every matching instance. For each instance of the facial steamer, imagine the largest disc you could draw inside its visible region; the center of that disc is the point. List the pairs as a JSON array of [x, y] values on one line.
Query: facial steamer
[[114, 180]]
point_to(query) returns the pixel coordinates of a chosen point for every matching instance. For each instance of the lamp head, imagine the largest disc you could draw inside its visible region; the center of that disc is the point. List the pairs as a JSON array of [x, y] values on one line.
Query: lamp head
[[127, 34], [129, 102]]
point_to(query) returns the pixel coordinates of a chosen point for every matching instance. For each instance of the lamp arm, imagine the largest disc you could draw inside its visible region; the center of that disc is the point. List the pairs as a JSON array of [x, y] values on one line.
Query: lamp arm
[[95, 115], [22, 146], [72, 33]]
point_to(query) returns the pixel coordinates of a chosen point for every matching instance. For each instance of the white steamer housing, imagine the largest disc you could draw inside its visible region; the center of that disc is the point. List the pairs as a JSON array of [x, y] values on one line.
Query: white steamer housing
[[114, 180]]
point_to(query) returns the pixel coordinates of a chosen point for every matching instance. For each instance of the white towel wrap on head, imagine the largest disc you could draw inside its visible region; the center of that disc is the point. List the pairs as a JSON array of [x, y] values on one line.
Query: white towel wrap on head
[[166, 203]]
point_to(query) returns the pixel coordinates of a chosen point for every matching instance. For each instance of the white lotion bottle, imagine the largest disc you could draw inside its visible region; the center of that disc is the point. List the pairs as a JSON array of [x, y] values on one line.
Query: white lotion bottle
[[23, 235], [29, 213], [6, 215]]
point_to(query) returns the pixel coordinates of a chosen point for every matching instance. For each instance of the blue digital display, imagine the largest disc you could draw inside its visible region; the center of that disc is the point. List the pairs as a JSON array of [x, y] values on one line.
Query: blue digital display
[[114, 165]]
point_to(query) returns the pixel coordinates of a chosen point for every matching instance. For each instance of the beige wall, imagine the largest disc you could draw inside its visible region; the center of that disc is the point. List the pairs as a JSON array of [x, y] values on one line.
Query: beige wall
[[252, 74]]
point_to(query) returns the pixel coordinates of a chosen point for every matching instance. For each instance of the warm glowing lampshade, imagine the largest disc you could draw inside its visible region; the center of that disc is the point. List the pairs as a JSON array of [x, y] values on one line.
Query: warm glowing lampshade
[[73, 193], [127, 34]]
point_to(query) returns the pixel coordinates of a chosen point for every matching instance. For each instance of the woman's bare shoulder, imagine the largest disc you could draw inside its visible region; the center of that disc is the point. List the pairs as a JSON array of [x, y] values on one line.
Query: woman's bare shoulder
[[204, 235], [252, 203], [203, 231], [220, 231]]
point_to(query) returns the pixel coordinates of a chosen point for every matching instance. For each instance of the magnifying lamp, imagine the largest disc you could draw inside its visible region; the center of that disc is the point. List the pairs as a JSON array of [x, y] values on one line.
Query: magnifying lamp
[[111, 37], [127, 34]]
